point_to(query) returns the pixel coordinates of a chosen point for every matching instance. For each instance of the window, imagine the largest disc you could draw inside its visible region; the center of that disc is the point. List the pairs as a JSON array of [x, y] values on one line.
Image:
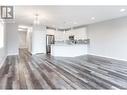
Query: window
[[1, 34]]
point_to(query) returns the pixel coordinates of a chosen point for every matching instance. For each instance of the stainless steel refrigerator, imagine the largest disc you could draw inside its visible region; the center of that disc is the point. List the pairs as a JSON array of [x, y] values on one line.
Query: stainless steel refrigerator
[[50, 39]]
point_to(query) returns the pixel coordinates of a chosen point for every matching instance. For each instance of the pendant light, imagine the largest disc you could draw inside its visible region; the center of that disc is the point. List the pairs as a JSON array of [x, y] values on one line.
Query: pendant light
[[36, 19]]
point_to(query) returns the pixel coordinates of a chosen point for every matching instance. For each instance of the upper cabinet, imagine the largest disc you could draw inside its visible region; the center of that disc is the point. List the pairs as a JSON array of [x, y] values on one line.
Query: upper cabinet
[[80, 33], [50, 32], [59, 35]]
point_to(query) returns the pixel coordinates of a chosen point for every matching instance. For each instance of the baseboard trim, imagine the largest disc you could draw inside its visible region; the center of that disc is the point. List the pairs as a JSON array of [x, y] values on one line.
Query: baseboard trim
[[113, 58]]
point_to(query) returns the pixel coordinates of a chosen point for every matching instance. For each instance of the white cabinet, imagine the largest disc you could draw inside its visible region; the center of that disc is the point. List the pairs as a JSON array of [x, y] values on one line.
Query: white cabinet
[[78, 33], [61, 36], [65, 50]]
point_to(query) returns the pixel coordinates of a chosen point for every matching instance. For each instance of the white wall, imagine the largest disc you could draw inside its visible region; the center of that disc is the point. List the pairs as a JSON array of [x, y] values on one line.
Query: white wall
[[29, 40], [109, 38], [12, 39], [3, 50], [39, 39], [22, 39]]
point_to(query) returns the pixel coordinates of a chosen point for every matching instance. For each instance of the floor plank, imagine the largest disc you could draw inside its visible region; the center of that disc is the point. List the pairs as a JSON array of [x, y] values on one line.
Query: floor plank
[[25, 71]]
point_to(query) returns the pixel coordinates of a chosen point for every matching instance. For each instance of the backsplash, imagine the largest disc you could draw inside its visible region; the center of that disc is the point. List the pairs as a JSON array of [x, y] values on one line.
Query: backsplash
[[80, 41]]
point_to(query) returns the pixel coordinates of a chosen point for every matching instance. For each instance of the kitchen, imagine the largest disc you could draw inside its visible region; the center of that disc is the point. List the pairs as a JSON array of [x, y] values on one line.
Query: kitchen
[[69, 43]]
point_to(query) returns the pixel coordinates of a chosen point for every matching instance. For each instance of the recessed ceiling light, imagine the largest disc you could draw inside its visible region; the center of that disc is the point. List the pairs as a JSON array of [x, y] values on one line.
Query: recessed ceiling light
[[122, 10], [92, 18]]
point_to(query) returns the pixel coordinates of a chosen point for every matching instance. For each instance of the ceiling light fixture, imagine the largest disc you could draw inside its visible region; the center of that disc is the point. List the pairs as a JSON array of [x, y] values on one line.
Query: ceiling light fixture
[[122, 10], [92, 18], [36, 20]]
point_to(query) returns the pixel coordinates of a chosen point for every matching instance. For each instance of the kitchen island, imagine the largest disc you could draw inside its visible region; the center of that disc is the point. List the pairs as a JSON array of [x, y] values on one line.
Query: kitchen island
[[68, 50]]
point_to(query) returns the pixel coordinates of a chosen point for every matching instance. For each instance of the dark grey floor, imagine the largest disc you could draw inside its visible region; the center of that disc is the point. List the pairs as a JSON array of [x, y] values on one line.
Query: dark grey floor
[[47, 72]]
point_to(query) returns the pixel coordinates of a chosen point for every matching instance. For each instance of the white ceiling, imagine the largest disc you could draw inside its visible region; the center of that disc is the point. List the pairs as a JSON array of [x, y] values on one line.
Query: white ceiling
[[67, 16]]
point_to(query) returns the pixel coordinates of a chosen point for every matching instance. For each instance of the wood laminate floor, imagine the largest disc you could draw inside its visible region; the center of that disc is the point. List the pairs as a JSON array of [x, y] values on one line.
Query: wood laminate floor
[[46, 72]]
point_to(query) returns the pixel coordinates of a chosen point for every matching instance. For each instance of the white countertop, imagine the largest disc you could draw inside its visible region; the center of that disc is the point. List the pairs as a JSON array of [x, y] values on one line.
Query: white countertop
[[68, 50], [67, 44]]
